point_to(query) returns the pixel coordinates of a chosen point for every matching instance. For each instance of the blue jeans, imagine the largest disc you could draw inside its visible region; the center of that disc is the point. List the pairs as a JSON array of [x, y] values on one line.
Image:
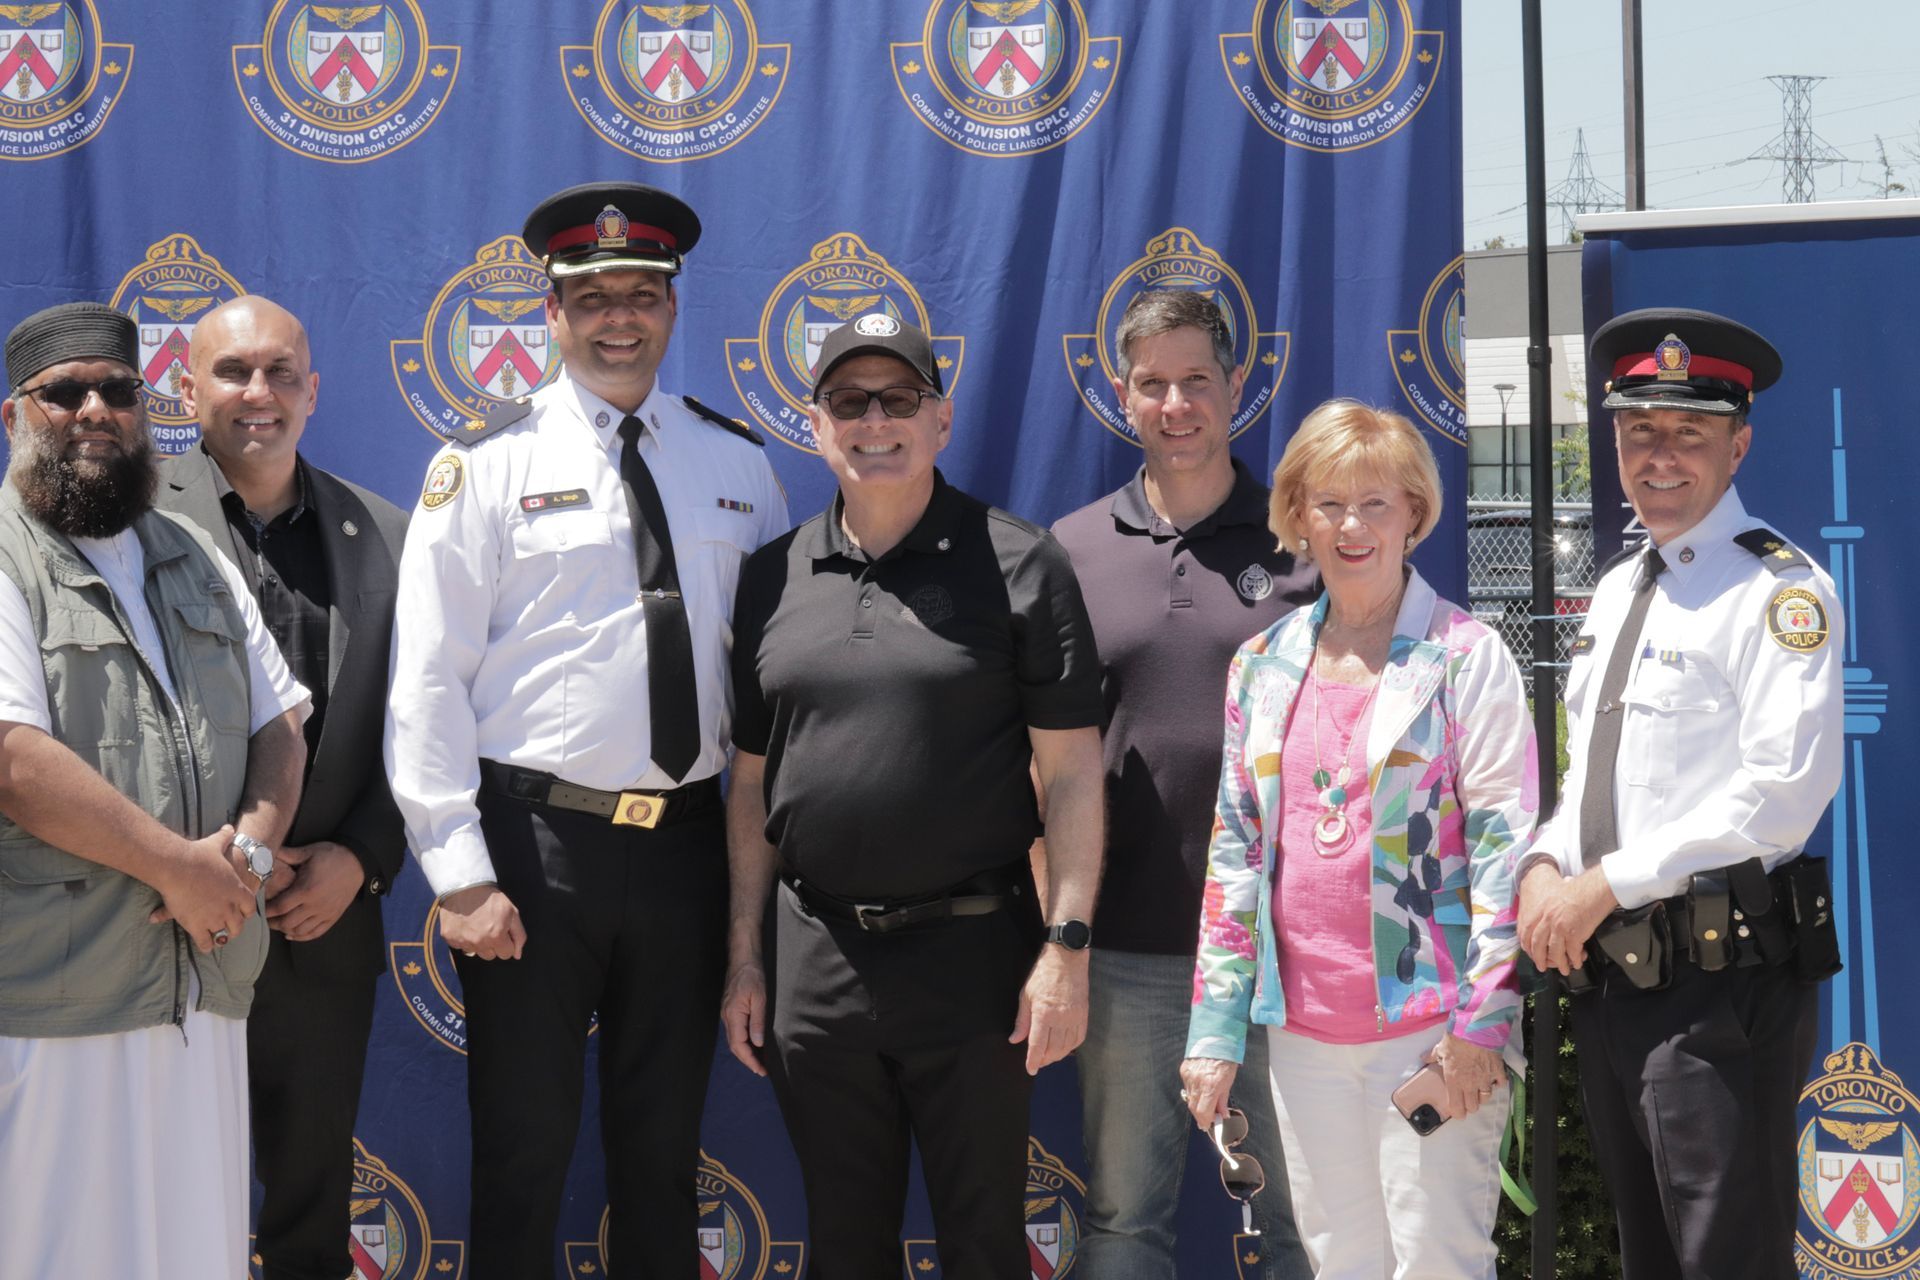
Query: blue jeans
[[1137, 1130]]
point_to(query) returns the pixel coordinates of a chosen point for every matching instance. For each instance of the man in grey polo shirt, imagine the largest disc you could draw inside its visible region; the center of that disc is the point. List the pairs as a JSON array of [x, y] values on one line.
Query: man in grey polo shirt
[[1192, 522]]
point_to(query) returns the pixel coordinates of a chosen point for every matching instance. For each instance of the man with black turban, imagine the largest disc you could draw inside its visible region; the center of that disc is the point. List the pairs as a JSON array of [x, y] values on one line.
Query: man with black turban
[[150, 757]]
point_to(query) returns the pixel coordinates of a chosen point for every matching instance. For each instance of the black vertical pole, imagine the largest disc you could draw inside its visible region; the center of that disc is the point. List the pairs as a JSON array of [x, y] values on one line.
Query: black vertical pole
[[1634, 100], [1546, 1005]]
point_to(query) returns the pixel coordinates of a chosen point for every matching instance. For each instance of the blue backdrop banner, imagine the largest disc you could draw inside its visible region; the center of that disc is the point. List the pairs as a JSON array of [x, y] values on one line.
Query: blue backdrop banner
[[1829, 286], [1005, 174]]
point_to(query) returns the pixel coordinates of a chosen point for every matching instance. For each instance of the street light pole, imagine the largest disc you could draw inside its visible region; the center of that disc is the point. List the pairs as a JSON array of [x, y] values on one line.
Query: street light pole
[[1506, 390]]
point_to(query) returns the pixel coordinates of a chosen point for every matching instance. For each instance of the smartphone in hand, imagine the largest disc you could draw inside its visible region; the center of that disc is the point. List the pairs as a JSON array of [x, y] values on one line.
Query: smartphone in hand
[[1422, 1100]]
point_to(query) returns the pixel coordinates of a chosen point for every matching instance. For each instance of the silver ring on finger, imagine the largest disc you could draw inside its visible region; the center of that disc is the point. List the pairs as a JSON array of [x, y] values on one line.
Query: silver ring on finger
[[468, 954], [221, 937]]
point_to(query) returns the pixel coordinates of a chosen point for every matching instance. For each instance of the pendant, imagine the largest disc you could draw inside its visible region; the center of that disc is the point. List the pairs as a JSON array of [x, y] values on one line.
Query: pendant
[[1330, 833]]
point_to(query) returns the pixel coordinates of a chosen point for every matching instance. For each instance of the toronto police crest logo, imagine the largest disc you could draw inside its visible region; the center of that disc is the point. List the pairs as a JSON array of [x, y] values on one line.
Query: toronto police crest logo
[[842, 280], [387, 1233], [1006, 77], [345, 83], [1859, 1171], [1177, 259], [58, 80], [485, 341], [177, 282], [1056, 1210], [1430, 361], [673, 82], [735, 1241], [1332, 75]]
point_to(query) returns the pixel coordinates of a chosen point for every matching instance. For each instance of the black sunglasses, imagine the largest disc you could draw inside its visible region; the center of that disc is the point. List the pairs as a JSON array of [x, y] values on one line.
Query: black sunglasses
[[70, 393], [1240, 1174], [850, 403]]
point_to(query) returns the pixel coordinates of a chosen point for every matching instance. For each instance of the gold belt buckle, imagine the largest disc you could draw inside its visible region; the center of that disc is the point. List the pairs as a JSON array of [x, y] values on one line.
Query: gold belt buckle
[[639, 809]]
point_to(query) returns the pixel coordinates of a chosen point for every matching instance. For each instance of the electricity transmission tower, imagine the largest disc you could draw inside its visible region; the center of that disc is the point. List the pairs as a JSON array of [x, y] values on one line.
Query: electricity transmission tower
[[1797, 147], [1582, 192]]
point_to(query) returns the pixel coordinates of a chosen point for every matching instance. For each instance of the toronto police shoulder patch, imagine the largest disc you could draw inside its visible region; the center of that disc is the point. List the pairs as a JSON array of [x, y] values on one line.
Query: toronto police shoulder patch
[[444, 479], [1797, 620]]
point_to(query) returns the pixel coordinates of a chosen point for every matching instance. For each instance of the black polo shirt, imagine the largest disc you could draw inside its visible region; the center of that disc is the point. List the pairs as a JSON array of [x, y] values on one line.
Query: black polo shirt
[[1169, 609], [284, 563], [892, 696]]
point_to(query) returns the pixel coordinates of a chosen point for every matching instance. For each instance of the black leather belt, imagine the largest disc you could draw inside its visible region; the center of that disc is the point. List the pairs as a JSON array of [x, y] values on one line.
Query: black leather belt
[[980, 895], [623, 808]]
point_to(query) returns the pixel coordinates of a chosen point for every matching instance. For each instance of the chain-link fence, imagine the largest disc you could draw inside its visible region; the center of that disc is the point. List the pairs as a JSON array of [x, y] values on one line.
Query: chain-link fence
[[1500, 573]]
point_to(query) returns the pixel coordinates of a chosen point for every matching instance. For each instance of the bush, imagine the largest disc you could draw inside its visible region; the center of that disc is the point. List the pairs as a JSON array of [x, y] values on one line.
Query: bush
[[1586, 1243]]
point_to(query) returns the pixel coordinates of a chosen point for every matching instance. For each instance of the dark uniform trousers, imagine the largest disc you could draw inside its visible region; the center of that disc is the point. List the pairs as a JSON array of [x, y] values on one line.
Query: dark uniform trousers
[[304, 1091], [1691, 1095], [882, 1039], [630, 924]]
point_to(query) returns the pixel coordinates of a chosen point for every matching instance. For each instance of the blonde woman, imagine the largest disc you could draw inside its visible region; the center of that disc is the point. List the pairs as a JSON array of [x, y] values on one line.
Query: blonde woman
[[1378, 785]]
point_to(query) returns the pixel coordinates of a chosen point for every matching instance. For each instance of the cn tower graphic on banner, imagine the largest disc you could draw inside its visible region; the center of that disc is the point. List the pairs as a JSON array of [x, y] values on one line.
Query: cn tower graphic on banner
[[1859, 1148]]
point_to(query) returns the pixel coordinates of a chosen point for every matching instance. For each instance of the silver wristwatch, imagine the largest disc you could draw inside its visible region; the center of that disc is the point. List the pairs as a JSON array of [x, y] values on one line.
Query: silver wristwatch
[[259, 857]]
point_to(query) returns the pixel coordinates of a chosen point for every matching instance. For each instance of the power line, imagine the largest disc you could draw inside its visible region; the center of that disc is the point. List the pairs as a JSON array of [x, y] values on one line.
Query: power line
[[1797, 147]]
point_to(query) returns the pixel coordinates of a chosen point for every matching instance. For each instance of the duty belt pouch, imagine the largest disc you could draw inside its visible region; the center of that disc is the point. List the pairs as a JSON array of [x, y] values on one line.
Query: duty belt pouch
[[1641, 944], [1710, 913], [1759, 929], [1816, 945]]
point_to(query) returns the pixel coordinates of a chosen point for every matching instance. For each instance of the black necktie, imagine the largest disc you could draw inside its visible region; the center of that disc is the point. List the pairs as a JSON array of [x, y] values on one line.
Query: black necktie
[[672, 696], [1599, 835]]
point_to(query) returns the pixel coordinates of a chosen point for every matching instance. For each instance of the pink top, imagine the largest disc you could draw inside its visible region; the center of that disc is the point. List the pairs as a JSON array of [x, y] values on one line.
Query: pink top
[[1322, 916]]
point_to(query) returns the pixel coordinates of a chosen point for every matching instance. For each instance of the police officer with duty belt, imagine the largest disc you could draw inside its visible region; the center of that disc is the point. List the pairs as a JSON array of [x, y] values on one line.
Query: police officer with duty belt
[[557, 728], [1704, 730]]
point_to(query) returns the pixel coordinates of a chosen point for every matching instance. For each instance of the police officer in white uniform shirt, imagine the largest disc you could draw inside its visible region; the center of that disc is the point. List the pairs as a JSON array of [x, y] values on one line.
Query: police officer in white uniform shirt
[[1704, 733], [558, 724]]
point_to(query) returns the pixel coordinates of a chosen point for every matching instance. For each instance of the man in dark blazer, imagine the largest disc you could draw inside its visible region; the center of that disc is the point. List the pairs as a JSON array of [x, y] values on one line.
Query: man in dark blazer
[[320, 555]]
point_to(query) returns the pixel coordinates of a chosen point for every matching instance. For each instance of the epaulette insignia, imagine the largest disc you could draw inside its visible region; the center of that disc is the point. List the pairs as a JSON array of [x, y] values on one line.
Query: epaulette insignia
[[1775, 552], [734, 425], [474, 430]]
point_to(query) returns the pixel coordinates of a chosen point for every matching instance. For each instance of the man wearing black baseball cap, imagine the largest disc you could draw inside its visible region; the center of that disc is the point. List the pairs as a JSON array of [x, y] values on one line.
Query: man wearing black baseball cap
[[557, 727], [900, 661], [1704, 734]]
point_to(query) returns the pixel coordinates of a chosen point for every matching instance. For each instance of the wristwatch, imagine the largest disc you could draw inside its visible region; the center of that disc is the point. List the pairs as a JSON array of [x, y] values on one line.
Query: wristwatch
[[259, 857], [1074, 935]]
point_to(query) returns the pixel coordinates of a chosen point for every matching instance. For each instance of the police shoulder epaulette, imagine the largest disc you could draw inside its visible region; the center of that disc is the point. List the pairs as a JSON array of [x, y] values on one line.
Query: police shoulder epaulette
[[474, 430], [719, 419], [1774, 551], [1632, 551]]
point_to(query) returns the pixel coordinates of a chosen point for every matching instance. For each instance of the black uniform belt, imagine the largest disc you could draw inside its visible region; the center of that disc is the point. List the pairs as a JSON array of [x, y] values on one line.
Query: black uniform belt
[[622, 808], [978, 895], [1740, 915]]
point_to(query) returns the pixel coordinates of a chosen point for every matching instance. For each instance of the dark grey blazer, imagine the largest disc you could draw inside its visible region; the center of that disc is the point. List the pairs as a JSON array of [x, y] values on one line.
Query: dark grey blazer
[[346, 798]]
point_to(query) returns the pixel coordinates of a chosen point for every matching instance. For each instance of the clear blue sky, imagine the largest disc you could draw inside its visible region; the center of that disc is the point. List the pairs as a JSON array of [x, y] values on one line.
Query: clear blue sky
[[1709, 103]]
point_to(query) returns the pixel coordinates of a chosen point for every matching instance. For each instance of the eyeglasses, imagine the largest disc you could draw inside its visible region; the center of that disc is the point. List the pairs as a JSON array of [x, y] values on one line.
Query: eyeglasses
[[1240, 1174], [850, 403], [70, 393]]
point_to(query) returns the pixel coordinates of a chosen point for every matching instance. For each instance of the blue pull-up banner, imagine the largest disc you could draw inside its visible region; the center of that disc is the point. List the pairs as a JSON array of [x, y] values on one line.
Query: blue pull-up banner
[[1005, 173]]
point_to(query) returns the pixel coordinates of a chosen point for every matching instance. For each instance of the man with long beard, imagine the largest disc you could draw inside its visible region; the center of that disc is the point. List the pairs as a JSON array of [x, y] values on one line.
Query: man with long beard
[[150, 757]]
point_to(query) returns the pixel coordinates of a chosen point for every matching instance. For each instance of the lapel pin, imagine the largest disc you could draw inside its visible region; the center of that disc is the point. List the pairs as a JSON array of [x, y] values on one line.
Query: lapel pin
[[349, 528]]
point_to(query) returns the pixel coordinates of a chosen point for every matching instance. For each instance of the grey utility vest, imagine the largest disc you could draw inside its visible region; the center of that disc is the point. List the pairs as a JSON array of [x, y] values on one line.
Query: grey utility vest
[[77, 955]]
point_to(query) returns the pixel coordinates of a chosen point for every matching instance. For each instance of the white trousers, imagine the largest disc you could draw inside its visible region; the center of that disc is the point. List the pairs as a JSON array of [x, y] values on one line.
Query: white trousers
[[124, 1156], [1373, 1199]]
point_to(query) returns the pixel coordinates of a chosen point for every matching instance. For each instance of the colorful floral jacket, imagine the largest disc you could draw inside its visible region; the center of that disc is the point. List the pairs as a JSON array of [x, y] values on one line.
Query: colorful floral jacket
[[1455, 786]]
